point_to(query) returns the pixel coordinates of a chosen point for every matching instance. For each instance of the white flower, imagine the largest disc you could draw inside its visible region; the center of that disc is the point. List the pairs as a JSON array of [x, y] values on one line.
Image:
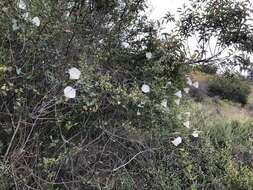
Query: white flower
[[21, 4], [164, 103], [101, 41], [125, 44], [148, 55], [74, 73], [70, 5], [195, 134], [179, 94], [69, 92], [67, 14], [186, 90], [141, 105], [138, 113], [5, 9], [36, 21], [196, 84], [169, 83], [177, 141], [15, 24], [177, 101], [110, 25], [25, 15], [187, 124], [145, 88], [189, 81]]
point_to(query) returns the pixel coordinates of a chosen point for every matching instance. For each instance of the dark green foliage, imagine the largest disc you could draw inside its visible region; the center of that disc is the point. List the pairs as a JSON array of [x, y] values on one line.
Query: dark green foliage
[[229, 87], [198, 94], [112, 135], [210, 162]]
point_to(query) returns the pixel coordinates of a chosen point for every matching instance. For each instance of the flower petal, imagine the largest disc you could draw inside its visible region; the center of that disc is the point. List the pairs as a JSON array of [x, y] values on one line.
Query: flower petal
[[145, 88], [74, 73], [69, 92], [36, 21], [196, 84], [187, 124], [195, 134], [164, 103], [26, 15], [179, 94], [177, 101], [177, 141], [21, 4], [15, 24], [148, 55], [125, 44], [186, 90]]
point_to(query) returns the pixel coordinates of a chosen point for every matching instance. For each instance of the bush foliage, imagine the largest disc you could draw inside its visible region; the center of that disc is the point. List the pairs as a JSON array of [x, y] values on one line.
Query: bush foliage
[[229, 87], [112, 135]]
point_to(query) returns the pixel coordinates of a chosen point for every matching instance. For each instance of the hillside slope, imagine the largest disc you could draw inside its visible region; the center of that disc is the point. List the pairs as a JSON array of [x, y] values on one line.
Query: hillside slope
[[223, 108]]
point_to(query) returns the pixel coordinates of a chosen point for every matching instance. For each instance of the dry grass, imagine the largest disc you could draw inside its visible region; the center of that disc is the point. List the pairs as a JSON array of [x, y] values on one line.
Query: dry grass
[[201, 77], [225, 110]]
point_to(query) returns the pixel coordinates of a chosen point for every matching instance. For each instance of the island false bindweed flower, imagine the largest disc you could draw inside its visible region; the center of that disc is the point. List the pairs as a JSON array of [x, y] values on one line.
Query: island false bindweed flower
[[177, 101], [69, 92], [74, 73], [177, 141], [125, 44], [164, 103], [26, 15], [195, 134], [21, 4], [148, 55], [36, 21], [145, 88], [70, 5], [186, 90], [15, 24], [196, 84], [187, 124], [179, 94]]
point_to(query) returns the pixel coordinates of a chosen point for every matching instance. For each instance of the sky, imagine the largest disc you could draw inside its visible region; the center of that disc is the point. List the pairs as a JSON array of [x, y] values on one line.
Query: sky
[[160, 7]]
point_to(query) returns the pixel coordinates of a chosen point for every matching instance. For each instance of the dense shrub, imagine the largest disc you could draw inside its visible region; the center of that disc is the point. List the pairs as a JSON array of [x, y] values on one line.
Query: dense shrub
[[198, 94], [112, 134], [117, 51], [229, 87]]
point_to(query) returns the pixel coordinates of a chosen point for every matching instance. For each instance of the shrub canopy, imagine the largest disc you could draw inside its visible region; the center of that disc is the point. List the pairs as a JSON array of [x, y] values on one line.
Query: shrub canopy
[[111, 132]]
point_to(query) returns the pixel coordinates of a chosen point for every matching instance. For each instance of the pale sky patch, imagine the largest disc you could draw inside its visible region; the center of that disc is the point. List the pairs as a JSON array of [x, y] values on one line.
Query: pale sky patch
[[160, 7]]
